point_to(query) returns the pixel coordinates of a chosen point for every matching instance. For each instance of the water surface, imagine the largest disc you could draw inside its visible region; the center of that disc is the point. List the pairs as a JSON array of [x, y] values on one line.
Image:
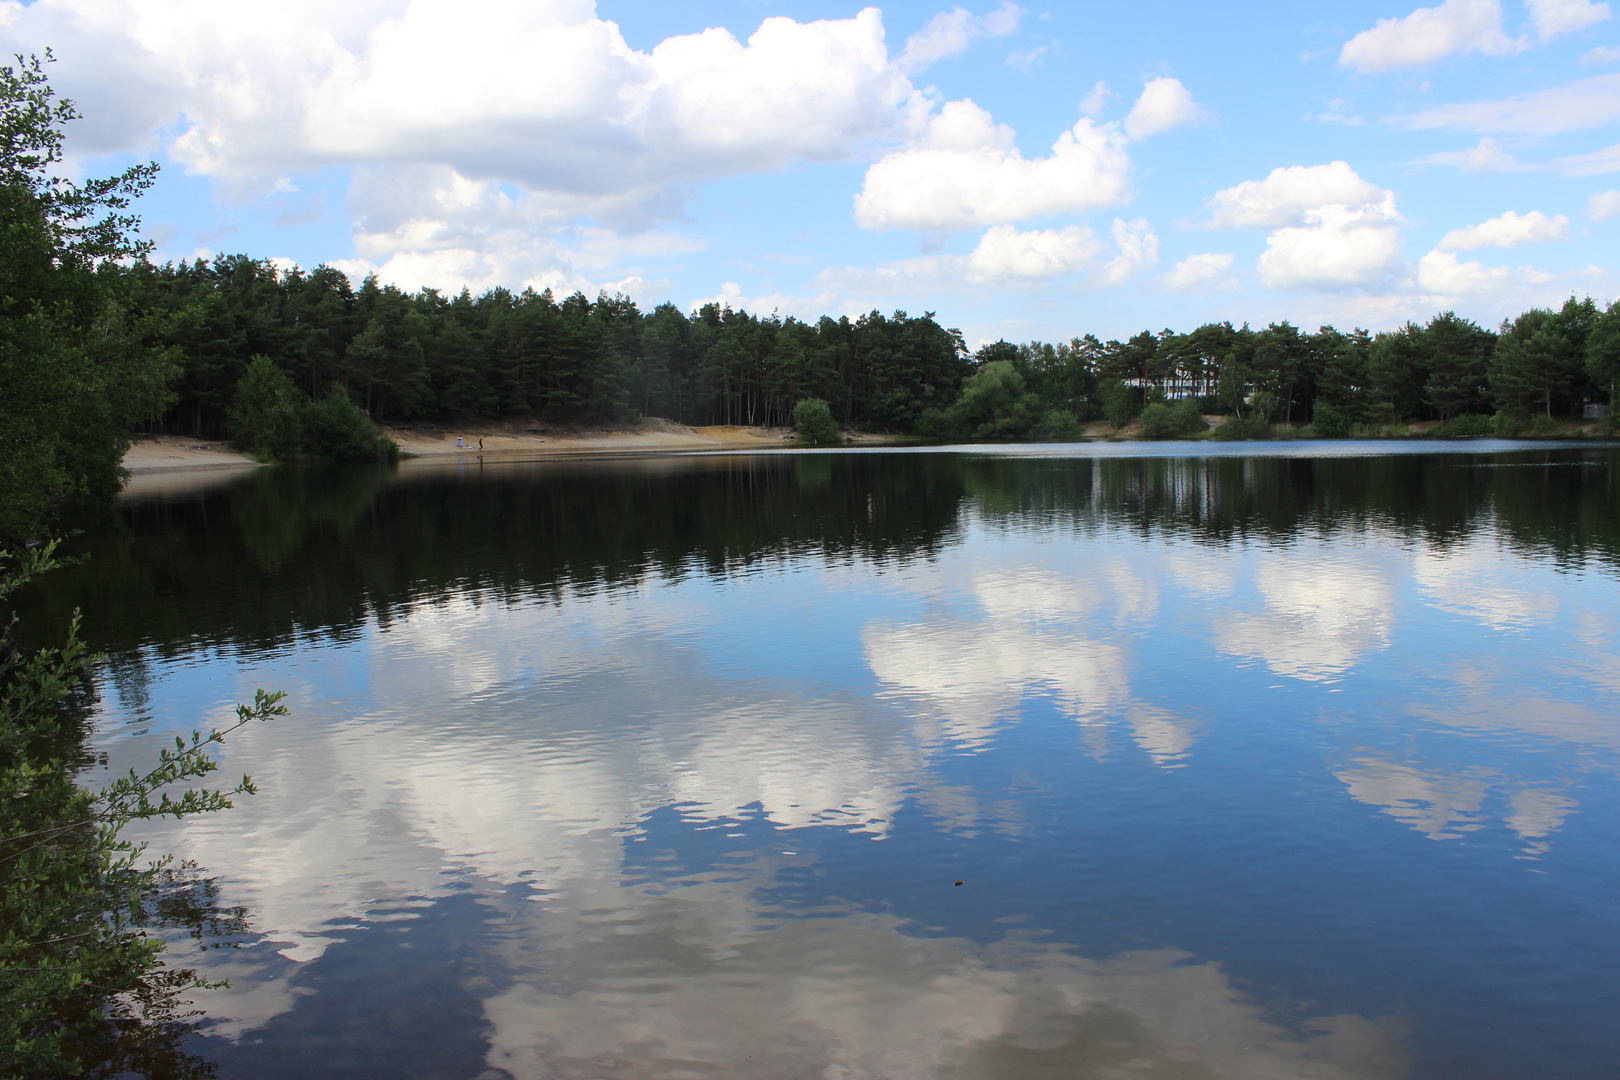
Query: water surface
[[1250, 762]]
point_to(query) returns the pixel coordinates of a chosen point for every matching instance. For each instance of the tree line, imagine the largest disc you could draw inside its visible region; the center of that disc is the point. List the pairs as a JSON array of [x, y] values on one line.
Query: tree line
[[406, 357], [411, 357]]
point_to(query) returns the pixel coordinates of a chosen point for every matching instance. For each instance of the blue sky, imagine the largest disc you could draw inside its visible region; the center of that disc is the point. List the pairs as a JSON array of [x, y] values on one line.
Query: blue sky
[[1027, 171]]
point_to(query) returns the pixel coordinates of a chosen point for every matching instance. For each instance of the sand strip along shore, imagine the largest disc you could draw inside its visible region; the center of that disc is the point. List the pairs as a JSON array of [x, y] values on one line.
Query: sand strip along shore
[[652, 435], [159, 453], [152, 454]]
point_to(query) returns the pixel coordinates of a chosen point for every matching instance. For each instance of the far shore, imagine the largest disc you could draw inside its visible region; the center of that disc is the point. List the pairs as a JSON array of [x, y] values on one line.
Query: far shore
[[152, 456], [156, 454]]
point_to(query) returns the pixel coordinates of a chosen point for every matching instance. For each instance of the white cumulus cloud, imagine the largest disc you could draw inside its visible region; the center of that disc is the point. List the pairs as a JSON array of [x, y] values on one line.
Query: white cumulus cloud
[[1005, 257], [1197, 272], [1508, 230], [1288, 194], [1004, 253], [1138, 248], [1428, 35], [1337, 247], [1603, 205], [965, 172], [544, 94], [1164, 104], [1442, 273], [949, 34], [1554, 17], [1330, 229], [481, 133]]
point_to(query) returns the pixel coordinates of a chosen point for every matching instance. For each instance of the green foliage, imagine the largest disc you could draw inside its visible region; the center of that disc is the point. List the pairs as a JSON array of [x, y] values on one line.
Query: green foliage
[[1602, 360], [82, 987], [814, 423], [82, 991], [1157, 423], [83, 221], [1161, 421], [1459, 354], [1060, 425], [1541, 356], [1120, 403], [337, 429], [1237, 427], [1329, 420], [995, 404], [1540, 424], [267, 411], [1466, 426], [78, 368], [1397, 369]]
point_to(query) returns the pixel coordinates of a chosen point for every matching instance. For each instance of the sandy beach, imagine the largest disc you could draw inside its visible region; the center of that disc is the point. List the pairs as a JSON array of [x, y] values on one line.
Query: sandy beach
[[652, 435], [151, 456], [160, 453]]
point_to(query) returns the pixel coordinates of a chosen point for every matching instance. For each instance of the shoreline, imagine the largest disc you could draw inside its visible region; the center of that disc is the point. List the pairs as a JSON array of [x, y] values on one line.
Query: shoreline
[[154, 455], [151, 457]]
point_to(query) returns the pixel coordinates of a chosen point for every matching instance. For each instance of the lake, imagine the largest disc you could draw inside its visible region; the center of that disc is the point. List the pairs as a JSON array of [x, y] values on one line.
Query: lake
[[1099, 761]]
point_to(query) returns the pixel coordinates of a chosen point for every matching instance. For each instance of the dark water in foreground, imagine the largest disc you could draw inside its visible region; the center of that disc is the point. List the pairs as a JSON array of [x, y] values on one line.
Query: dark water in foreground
[[1248, 766]]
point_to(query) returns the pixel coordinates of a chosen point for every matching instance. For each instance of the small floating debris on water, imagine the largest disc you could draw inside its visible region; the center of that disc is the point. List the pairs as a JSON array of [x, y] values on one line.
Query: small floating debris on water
[[959, 883]]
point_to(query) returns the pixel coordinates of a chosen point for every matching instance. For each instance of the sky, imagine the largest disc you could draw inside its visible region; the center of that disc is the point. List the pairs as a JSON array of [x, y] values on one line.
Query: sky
[[1025, 171]]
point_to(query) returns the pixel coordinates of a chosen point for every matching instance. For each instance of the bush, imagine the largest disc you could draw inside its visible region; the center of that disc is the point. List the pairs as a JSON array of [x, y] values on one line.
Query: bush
[[1157, 423], [1541, 424], [265, 416], [1235, 427], [934, 423], [1506, 424], [995, 404], [1060, 425], [897, 409], [1466, 426], [1330, 420], [1161, 421], [337, 429], [814, 423], [1120, 403]]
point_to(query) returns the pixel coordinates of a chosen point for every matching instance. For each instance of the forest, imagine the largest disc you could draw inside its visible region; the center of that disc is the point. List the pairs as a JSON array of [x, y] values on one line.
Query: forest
[[423, 357]]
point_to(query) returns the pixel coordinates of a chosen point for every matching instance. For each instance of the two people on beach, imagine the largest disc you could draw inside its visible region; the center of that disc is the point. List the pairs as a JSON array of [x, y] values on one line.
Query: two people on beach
[[461, 444]]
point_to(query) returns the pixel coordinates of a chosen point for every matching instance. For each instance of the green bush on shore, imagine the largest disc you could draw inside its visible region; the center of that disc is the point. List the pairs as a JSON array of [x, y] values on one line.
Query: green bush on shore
[[1466, 426], [272, 418], [813, 422], [1237, 427], [1161, 421]]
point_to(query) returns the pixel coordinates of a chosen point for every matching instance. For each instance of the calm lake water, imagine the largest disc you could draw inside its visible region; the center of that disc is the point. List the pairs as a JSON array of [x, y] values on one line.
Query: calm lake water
[[1247, 762]]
